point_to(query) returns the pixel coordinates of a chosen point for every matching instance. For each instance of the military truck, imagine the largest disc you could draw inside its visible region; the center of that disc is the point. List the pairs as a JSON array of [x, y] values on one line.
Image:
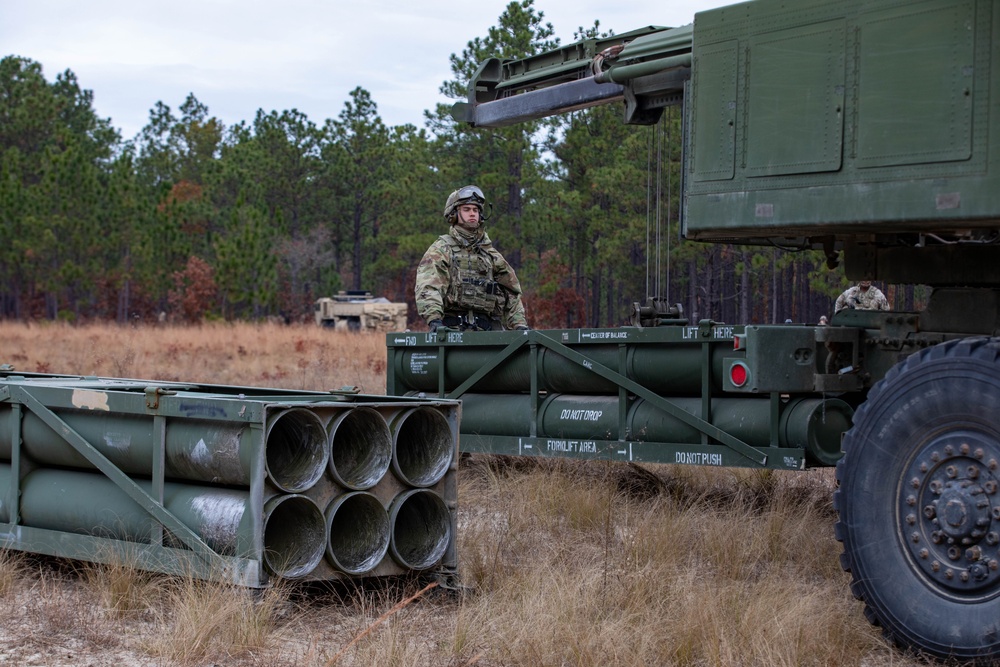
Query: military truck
[[359, 310], [868, 129]]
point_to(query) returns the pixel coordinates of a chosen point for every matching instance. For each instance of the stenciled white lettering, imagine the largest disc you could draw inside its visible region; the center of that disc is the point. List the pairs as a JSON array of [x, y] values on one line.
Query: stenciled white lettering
[[558, 446], [717, 333], [698, 458], [606, 335], [571, 446], [419, 362], [581, 415]]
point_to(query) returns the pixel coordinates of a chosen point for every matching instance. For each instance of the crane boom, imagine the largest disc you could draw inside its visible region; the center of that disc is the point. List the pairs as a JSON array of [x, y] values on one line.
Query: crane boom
[[646, 68]]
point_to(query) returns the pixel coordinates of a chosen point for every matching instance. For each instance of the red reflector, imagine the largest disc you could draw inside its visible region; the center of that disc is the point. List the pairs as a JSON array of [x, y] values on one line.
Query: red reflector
[[738, 375]]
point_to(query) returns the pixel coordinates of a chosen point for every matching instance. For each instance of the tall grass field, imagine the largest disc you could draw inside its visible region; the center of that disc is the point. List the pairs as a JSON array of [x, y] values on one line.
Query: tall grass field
[[589, 564]]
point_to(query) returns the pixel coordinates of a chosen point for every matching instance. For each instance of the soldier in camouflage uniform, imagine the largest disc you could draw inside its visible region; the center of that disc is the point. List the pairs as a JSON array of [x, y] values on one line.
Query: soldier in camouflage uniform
[[463, 282], [863, 296]]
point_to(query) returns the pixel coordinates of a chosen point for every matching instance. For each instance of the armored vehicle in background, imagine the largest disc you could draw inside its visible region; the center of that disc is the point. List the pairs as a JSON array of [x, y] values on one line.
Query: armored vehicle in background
[[869, 129], [358, 310]]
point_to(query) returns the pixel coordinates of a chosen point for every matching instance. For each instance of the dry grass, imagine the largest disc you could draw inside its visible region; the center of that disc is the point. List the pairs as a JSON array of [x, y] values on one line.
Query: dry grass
[[201, 621], [298, 356], [125, 591], [566, 563], [13, 570], [727, 568]]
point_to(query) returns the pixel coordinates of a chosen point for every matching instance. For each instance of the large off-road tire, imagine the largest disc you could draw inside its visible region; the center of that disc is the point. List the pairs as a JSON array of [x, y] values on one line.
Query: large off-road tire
[[919, 503]]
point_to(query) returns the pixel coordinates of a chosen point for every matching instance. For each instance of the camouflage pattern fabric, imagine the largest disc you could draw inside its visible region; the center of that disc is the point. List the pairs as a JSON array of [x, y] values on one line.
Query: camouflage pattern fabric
[[458, 275], [855, 297]]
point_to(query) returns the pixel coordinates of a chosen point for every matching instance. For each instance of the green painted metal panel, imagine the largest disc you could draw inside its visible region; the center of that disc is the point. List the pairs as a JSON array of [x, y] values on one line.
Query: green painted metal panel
[[152, 557], [795, 100], [713, 127], [631, 451], [915, 104]]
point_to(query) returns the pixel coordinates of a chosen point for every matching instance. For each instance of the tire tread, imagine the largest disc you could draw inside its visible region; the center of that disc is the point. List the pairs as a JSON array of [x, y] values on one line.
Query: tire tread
[[978, 349]]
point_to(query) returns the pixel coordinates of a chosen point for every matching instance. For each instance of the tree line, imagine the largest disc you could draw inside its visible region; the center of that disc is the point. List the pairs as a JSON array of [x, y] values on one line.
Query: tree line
[[198, 220]]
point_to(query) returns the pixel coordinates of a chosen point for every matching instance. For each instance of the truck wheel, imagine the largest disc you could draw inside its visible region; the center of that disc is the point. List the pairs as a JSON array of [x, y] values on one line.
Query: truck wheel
[[918, 501]]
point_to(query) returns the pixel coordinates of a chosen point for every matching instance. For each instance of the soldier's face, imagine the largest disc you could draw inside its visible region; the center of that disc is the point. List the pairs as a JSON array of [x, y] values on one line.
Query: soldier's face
[[864, 285], [468, 216]]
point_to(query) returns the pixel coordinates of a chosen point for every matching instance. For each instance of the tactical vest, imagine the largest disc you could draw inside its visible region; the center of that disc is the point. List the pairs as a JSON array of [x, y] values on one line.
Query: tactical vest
[[470, 282]]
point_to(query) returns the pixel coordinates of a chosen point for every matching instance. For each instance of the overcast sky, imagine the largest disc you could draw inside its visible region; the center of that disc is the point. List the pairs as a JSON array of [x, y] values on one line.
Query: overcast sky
[[238, 57]]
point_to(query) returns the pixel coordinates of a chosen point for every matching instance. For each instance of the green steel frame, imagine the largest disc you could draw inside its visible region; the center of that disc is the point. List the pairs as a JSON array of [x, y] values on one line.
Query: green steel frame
[[173, 545], [496, 351]]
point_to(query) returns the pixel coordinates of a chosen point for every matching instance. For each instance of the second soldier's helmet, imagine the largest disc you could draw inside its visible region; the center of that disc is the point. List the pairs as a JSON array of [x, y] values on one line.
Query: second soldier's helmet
[[470, 194]]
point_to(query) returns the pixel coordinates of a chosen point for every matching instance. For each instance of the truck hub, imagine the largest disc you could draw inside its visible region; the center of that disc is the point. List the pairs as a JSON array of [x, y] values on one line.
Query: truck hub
[[949, 513]]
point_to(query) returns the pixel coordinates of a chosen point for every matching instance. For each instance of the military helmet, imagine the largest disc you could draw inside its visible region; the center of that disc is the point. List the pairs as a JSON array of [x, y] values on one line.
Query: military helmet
[[470, 194]]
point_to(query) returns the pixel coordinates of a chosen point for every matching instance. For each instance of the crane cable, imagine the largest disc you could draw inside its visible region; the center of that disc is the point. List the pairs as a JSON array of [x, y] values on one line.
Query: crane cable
[[649, 188], [659, 189], [668, 122], [660, 135]]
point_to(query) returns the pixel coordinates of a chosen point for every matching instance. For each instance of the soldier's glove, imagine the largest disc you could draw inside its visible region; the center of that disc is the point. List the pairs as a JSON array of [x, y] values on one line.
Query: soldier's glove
[[522, 327], [435, 325]]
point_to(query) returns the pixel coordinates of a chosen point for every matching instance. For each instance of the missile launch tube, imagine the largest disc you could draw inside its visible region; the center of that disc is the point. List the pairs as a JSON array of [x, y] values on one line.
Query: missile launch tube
[[218, 452], [294, 535], [812, 423], [421, 529], [295, 449], [359, 529], [674, 370], [91, 504], [360, 448], [423, 446]]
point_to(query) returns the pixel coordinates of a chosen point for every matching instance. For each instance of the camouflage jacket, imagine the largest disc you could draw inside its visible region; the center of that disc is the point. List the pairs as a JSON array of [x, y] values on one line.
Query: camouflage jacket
[[456, 276], [855, 297]]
